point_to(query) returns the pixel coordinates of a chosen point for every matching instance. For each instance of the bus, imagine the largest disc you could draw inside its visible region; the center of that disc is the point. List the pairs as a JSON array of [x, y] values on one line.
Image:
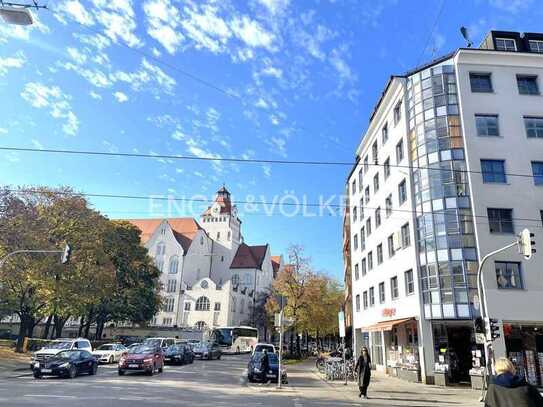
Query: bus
[[235, 339]]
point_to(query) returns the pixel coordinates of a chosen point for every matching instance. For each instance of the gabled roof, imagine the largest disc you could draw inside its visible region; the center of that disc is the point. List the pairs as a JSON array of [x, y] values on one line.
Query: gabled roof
[[184, 229], [276, 263], [224, 202], [249, 257]]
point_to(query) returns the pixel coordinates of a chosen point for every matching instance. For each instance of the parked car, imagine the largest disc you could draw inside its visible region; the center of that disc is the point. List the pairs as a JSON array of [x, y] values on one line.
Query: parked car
[[59, 345], [162, 342], [256, 373], [109, 352], [67, 363], [143, 358], [134, 345], [207, 350], [179, 354], [259, 347]]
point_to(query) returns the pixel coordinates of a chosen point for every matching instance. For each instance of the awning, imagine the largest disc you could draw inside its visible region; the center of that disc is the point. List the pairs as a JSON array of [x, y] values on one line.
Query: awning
[[385, 325]]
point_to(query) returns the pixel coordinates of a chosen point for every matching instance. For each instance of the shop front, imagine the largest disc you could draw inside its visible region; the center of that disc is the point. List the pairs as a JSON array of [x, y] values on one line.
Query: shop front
[[524, 346]]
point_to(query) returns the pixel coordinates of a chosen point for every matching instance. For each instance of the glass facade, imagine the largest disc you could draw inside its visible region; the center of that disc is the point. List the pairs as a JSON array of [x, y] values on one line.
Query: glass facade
[[445, 231]]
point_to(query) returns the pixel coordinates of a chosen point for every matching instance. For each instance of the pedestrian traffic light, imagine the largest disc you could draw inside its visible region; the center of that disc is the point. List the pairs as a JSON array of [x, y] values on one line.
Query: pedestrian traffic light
[[525, 243], [479, 325], [66, 254], [492, 329]]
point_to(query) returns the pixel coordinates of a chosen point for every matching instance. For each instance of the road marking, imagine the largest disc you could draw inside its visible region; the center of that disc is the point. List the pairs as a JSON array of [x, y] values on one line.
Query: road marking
[[50, 396]]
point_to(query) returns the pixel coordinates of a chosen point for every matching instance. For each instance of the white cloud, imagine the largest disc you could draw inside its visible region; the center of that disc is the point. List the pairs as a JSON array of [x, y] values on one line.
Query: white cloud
[[76, 55], [16, 61], [42, 96], [262, 104], [278, 145], [20, 32], [511, 6], [267, 170], [252, 33], [206, 28], [149, 77], [272, 71], [37, 144], [275, 6], [118, 19], [98, 41], [342, 68], [95, 95], [121, 97], [178, 135], [3, 131], [163, 20], [74, 10]]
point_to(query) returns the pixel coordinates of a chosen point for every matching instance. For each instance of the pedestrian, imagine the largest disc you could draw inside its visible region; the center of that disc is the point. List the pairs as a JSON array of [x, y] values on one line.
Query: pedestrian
[[363, 369], [264, 365], [507, 389]]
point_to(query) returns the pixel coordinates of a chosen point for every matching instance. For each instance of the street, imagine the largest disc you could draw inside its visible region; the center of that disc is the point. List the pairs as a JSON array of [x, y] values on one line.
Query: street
[[215, 383]]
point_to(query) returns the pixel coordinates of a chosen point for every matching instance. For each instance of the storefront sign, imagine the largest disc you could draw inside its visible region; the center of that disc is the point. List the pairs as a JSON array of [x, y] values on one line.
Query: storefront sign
[[389, 312]]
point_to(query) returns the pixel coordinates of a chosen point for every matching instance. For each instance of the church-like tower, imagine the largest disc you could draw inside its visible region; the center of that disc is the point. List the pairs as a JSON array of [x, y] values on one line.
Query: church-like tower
[[221, 222]]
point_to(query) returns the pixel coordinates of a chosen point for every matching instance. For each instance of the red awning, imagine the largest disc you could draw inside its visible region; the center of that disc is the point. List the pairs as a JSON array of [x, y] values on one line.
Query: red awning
[[386, 325]]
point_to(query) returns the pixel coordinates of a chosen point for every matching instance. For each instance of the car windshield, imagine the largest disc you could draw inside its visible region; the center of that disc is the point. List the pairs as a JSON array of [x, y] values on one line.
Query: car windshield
[[142, 349], [201, 345], [105, 347], [154, 342], [272, 357], [58, 345], [260, 348], [68, 354], [175, 348]]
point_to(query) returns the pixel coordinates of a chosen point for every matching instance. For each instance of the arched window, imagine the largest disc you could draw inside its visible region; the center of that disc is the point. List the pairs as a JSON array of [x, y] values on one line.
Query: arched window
[[160, 249], [202, 304], [235, 279], [201, 325], [248, 280], [174, 262], [241, 306]]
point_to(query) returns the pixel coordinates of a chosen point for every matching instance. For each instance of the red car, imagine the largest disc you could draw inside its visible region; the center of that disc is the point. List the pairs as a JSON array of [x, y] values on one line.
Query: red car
[[143, 358]]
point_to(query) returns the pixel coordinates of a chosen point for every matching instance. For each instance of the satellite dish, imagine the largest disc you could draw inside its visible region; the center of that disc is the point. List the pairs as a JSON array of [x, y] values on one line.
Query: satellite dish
[[465, 34], [16, 15]]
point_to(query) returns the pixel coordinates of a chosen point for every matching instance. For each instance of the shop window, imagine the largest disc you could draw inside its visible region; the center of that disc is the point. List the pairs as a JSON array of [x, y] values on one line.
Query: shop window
[[508, 275]]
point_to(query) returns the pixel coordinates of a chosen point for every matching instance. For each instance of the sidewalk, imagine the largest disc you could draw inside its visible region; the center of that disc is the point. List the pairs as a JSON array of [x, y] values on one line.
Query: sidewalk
[[14, 365], [383, 390]]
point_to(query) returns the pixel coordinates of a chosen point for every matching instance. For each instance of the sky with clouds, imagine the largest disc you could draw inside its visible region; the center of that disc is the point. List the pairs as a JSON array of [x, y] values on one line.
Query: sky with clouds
[[255, 79]]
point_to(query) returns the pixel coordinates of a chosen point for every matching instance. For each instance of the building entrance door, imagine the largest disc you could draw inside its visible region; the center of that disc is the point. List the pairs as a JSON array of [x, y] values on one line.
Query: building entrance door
[[459, 350]]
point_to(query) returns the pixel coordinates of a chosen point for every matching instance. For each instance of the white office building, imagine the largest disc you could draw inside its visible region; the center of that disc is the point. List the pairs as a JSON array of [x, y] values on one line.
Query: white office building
[[450, 169]]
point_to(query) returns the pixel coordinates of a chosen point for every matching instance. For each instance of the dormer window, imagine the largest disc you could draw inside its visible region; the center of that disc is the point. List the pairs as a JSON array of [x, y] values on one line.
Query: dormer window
[[506, 44]]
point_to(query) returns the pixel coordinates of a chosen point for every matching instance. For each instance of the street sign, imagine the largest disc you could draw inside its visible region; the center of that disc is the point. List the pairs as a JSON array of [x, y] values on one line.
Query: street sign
[[341, 319], [480, 338]]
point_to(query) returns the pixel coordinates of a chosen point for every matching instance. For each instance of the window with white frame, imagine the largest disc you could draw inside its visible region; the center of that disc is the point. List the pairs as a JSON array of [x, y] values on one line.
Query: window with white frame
[[174, 264], [379, 253], [386, 167], [508, 275], [172, 286], [397, 112], [363, 266], [365, 299], [356, 272], [367, 194], [382, 292], [506, 44], [534, 126], [388, 205], [376, 183], [372, 296], [355, 242], [362, 239], [402, 192], [368, 226], [377, 217], [409, 282], [202, 304], [391, 250], [399, 151], [370, 261], [384, 133], [357, 302], [406, 238], [374, 152], [187, 306], [536, 46], [394, 293]]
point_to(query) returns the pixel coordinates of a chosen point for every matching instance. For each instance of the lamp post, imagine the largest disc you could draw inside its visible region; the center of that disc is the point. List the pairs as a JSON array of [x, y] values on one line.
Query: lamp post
[[18, 13]]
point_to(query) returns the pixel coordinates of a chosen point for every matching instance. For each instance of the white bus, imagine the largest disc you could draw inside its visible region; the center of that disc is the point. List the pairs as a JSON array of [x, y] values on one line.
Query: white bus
[[235, 339]]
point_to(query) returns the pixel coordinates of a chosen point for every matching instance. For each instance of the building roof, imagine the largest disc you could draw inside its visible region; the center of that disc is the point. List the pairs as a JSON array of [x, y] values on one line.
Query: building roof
[[223, 199], [276, 263], [249, 257], [184, 229]]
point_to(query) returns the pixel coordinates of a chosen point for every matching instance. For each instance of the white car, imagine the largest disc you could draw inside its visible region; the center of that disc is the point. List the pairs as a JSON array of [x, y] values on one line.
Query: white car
[[109, 352], [259, 347], [58, 345]]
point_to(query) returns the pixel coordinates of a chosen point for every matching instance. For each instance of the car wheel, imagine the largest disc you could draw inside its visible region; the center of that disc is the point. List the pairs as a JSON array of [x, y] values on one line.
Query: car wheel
[[219, 357], [72, 372], [94, 369], [111, 360], [121, 372], [151, 371], [37, 375]]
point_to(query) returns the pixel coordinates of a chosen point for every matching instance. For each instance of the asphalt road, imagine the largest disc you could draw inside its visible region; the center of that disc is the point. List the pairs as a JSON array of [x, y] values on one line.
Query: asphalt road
[[204, 383]]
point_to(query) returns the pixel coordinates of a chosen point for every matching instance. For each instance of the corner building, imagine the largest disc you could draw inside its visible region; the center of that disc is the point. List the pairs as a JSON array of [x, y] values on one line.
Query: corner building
[[450, 169]]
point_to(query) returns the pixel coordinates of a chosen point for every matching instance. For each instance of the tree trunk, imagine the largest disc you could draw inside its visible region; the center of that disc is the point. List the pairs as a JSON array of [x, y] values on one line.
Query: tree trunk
[[80, 329], [59, 323], [23, 330], [298, 350], [45, 333]]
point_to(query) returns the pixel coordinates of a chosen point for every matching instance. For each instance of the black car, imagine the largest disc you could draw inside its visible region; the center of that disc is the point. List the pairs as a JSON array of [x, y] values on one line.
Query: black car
[[256, 373], [207, 350], [178, 354], [68, 363]]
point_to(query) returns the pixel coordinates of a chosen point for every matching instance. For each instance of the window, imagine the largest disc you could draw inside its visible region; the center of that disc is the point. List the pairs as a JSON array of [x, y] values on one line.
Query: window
[[506, 44], [527, 85], [360, 176], [160, 249], [368, 226], [384, 132], [372, 297], [406, 239], [364, 267], [202, 304], [381, 292], [500, 220], [361, 208], [376, 183], [534, 126], [386, 167], [399, 151], [217, 306], [370, 261], [374, 152], [378, 217], [362, 239], [358, 303], [391, 250], [168, 304], [366, 164], [355, 242], [402, 193], [480, 82], [365, 299], [248, 280], [354, 213], [200, 325], [536, 46], [356, 272], [397, 112], [508, 274], [159, 263], [218, 235], [187, 306], [353, 187], [394, 287], [487, 125], [493, 171], [367, 194], [171, 287], [174, 262], [409, 282], [537, 170], [166, 321], [229, 235], [379, 253], [388, 205], [242, 306]]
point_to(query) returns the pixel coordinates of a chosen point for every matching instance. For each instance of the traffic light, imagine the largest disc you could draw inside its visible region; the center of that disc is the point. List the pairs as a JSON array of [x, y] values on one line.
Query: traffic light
[[479, 325], [66, 254], [492, 329], [525, 244]]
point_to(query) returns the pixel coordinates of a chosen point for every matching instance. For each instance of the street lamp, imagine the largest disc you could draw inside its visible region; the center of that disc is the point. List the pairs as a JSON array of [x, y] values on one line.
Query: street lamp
[[18, 13]]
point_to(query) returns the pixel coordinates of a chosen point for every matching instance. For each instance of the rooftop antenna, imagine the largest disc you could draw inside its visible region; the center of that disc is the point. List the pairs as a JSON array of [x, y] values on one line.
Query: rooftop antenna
[[465, 34]]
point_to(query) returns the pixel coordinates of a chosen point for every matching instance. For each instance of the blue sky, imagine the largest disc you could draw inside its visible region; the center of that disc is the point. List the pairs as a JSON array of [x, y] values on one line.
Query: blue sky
[[111, 75]]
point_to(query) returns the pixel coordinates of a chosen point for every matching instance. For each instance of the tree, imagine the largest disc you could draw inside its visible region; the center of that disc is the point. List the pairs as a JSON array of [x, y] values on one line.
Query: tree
[[259, 315]]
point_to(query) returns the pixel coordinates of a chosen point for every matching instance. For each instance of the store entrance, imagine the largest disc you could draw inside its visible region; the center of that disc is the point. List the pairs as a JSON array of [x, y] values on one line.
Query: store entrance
[[459, 352]]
